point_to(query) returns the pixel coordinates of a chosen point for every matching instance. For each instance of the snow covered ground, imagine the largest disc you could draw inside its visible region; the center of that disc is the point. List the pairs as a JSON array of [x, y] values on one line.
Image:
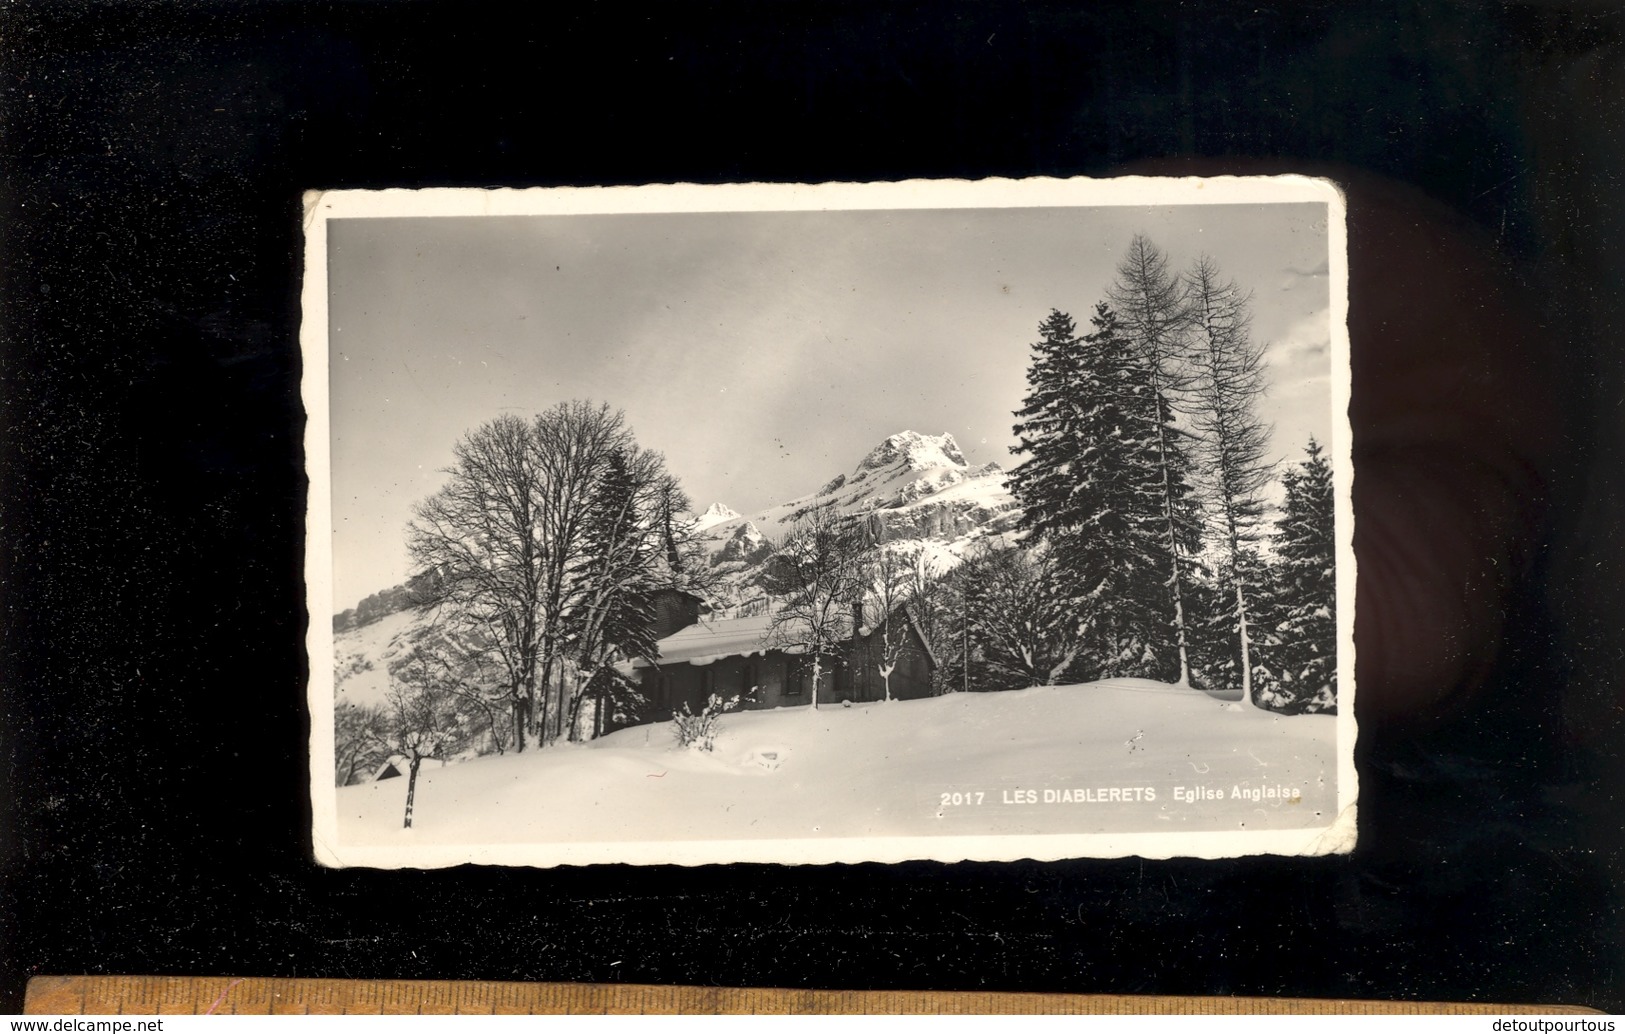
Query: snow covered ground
[[1119, 756]]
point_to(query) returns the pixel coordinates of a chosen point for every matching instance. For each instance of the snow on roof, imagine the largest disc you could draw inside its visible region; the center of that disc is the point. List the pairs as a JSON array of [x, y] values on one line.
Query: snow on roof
[[712, 639], [393, 767]]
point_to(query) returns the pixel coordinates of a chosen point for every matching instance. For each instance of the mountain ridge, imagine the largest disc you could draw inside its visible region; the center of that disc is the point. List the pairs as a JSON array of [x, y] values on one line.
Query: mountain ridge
[[910, 488]]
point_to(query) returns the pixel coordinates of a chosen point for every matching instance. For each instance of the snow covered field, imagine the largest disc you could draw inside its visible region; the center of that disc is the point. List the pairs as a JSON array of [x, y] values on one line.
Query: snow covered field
[[1119, 756]]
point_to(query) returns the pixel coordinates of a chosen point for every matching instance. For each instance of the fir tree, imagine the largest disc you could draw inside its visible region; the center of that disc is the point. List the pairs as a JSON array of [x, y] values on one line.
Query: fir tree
[[622, 546], [1229, 381], [1048, 483], [1093, 489], [1306, 588]]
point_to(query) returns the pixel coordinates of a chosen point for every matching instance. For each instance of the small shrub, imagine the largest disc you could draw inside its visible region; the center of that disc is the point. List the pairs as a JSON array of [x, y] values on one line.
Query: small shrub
[[700, 730]]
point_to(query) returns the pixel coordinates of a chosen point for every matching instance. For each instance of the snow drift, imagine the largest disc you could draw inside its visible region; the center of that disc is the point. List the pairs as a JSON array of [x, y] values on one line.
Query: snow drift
[[1123, 756]]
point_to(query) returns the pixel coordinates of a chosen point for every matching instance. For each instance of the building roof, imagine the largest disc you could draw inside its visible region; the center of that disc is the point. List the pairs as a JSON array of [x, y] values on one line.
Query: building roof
[[711, 639]]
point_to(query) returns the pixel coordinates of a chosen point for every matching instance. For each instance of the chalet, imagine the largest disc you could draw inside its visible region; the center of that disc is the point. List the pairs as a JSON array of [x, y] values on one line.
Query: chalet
[[675, 609], [740, 656]]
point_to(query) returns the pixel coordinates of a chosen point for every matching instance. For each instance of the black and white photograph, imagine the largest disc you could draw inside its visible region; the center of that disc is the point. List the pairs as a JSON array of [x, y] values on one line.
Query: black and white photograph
[[805, 524]]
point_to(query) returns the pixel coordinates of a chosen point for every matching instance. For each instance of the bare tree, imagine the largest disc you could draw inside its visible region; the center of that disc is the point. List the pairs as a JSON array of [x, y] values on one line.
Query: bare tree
[[504, 541], [425, 721], [359, 734], [687, 561], [1229, 383], [461, 661], [1153, 308], [482, 539], [1022, 624], [888, 576], [573, 441], [817, 574], [930, 605]]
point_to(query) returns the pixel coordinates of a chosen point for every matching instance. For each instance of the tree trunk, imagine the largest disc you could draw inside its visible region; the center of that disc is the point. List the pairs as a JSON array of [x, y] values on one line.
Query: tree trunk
[[521, 708], [965, 665], [598, 712], [541, 719], [411, 788], [546, 699], [1179, 595], [1173, 538], [558, 712], [575, 713], [817, 670], [1246, 647], [886, 655]]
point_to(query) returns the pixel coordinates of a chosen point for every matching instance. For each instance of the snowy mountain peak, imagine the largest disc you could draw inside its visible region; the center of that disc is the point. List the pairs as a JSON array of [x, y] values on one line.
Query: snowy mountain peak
[[911, 487], [745, 546], [716, 513], [915, 451]]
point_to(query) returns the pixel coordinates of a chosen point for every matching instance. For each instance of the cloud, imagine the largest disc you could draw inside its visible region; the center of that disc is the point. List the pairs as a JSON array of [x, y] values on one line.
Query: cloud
[[1303, 351], [1304, 348]]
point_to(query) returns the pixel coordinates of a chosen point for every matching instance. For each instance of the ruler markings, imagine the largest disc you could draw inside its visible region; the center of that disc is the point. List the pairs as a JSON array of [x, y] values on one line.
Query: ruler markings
[[105, 995]]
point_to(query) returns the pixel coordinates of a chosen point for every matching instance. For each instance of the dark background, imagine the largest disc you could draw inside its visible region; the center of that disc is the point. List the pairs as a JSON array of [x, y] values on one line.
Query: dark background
[[152, 673]]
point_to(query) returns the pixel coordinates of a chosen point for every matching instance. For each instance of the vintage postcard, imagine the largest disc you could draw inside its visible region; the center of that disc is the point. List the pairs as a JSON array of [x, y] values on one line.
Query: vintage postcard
[[830, 523]]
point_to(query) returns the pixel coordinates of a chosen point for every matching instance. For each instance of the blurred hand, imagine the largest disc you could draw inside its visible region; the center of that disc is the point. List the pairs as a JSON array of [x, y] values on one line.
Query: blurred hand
[[1455, 433]]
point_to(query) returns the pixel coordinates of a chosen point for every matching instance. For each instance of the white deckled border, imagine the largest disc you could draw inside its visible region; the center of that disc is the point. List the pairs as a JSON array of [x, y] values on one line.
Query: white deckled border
[[322, 206]]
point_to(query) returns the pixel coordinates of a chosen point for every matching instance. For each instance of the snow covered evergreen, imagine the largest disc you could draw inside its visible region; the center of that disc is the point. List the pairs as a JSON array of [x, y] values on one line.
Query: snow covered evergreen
[[1091, 489], [1305, 603]]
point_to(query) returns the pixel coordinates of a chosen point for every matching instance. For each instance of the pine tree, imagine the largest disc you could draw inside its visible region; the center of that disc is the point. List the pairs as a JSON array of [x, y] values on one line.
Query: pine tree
[[622, 547], [1049, 484], [1215, 654], [1155, 314], [1228, 382], [1093, 489], [1306, 588]]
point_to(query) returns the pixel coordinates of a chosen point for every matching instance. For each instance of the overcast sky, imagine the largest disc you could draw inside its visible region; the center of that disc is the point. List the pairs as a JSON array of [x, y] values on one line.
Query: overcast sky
[[761, 352]]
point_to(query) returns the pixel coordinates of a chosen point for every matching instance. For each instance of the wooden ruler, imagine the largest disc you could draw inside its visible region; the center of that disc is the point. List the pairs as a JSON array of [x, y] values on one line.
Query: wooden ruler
[[108, 995]]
